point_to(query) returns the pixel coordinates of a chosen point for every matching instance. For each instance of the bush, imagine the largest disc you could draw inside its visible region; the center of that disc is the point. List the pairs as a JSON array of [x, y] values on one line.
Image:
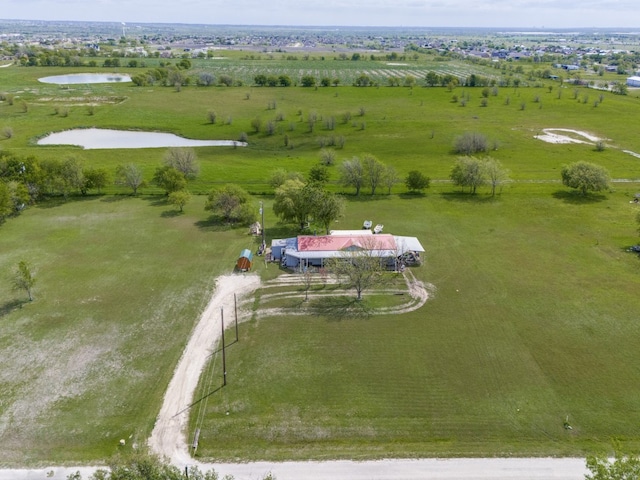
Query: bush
[[470, 143]]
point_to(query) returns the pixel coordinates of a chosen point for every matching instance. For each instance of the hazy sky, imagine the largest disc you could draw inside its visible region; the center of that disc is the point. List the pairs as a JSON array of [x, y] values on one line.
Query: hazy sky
[[436, 13]]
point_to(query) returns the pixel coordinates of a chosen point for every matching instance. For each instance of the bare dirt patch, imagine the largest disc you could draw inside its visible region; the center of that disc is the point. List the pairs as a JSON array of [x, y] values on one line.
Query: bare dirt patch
[[566, 135]]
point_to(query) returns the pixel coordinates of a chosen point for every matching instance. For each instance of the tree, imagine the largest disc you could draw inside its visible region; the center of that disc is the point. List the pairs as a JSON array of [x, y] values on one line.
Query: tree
[[130, 175], [358, 267], [623, 467], [374, 171], [308, 81], [292, 202], [6, 207], [470, 143], [24, 279], [495, 174], [233, 203], [143, 466], [319, 174], [169, 179], [416, 181], [585, 177], [432, 79], [280, 175], [352, 174], [72, 176], [184, 160], [327, 209], [390, 178], [96, 178], [179, 198], [467, 172]]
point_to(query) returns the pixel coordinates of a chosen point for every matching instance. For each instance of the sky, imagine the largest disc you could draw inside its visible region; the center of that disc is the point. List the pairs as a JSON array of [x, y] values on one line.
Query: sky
[[539, 14]]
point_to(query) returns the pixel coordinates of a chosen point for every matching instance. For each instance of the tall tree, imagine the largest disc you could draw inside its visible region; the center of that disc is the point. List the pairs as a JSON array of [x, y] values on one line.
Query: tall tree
[[130, 175], [293, 202], [585, 177], [169, 179], [328, 209], [352, 174], [96, 178], [6, 206], [233, 203], [416, 181], [359, 267], [179, 198], [467, 172], [280, 175], [390, 178], [374, 172], [496, 175], [24, 279], [184, 160], [319, 174]]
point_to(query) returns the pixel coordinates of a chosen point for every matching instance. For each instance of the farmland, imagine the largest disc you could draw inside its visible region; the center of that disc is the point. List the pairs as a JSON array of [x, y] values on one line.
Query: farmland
[[532, 315]]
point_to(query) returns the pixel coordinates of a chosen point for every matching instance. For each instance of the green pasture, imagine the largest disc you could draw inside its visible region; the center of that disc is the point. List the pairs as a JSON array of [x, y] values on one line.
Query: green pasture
[[532, 321], [120, 283], [407, 128], [532, 317]]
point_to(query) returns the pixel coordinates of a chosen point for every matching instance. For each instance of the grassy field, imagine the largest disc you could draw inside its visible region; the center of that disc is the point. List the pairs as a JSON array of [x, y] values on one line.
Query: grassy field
[[532, 319], [407, 128]]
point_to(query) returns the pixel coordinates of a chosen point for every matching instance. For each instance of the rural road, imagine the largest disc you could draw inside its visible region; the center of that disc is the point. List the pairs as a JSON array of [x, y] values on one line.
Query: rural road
[[423, 469]]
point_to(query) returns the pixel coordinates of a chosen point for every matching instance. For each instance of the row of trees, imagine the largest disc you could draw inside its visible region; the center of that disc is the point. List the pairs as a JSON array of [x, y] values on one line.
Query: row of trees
[[369, 172]]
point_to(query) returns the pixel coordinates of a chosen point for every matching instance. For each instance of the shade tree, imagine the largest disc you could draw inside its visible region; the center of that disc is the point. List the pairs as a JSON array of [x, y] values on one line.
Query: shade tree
[[232, 203], [130, 175], [585, 177], [416, 181], [352, 174]]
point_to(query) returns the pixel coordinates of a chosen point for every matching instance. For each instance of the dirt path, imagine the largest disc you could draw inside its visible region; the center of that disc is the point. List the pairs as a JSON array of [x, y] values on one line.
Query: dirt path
[[168, 438]]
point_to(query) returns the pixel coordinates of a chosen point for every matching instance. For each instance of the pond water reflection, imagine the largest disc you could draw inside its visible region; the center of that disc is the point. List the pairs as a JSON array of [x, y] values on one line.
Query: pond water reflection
[[75, 78], [94, 138]]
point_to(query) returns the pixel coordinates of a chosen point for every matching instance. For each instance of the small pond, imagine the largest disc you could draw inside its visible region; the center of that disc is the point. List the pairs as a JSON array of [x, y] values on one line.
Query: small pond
[[94, 138], [75, 78]]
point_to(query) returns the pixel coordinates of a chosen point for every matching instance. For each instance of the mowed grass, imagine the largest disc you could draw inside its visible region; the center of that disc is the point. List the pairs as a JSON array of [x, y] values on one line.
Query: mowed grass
[[120, 284], [533, 320]]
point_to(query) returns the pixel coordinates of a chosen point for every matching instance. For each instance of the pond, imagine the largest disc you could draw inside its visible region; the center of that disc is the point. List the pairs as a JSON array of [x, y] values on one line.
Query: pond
[[75, 78], [94, 138]]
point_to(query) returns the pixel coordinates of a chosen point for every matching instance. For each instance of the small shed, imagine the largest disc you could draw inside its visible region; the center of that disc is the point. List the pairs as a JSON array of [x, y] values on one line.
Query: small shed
[[633, 81], [244, 261]]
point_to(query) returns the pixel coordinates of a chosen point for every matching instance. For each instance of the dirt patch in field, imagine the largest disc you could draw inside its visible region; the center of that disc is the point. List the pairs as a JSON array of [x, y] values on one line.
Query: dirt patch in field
[[567, 135]]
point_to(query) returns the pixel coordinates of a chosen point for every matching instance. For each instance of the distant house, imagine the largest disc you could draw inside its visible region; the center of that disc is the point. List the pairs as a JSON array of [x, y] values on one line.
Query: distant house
[[633, 82], [311, 250]]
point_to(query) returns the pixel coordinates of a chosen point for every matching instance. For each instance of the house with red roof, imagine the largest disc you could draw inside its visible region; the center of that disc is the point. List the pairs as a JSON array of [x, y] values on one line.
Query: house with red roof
[[314, 250]]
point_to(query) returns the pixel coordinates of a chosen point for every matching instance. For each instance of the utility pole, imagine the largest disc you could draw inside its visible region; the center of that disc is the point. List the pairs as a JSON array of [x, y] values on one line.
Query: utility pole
[[224, 358], [262, 214]]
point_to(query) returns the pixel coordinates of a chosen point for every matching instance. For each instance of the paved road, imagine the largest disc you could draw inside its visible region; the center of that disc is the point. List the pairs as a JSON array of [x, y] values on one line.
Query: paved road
[[430, 469]]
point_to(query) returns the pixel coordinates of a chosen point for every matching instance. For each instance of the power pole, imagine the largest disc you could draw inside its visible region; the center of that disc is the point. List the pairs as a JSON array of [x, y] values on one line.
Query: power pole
[[224, 357], [262, 214]]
